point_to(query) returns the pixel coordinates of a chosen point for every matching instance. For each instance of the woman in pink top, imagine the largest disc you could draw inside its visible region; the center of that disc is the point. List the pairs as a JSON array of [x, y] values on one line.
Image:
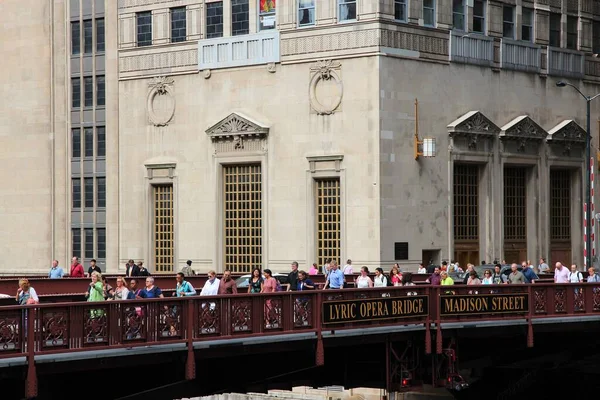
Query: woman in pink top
[[269, 286], [313, 270], [396, 276], [270, 283]]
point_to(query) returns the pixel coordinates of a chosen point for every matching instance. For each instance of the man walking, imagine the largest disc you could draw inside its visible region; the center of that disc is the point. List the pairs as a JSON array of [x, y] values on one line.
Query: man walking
[[56, 272]]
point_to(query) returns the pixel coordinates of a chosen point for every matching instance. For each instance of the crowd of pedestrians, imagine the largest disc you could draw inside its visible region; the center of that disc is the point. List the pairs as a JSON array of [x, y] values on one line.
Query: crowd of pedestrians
[[263, 281]]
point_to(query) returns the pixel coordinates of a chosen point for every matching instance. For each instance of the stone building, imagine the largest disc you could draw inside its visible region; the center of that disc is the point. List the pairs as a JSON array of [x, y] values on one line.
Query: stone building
[[242, 133]]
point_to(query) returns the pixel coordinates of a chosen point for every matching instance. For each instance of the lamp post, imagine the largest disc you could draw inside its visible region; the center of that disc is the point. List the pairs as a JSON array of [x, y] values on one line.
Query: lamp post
[[588, 191]]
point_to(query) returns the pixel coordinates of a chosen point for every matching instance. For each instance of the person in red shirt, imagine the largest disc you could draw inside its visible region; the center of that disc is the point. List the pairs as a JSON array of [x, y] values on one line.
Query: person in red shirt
[[227, 285], [76, 268]]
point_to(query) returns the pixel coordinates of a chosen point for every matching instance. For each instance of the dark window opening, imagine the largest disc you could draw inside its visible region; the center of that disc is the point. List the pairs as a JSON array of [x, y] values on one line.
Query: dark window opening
[[100, 34], [100, 141], [554, 30], [75, 38], [144, 28], [76, 143], [88, 91], [401, 251], [100, 91], [88, 147], [76, 92], [214, 20], [240, 17], [76, 241], [101, 237], [88, 187], [88, 42], [178, 24], [101, 192], [76, 192], [89, 243]]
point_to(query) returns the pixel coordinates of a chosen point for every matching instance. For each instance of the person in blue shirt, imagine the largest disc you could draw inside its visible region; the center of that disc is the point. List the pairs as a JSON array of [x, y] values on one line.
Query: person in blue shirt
[[335, 279], [304, 283], [56, 272], [150, 291], [183, 288], [529, 273]]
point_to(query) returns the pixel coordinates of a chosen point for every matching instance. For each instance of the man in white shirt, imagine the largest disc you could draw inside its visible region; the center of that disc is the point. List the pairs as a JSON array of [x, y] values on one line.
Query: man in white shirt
[[211, 287], [575, 276], [561, 274]]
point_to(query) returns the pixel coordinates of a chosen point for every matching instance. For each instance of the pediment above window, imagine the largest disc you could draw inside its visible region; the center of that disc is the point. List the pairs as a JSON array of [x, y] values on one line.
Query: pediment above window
[[237, 125], [568, 131], [524, 132], [238, 133], [473, 126], [473, 122], [523, 128]]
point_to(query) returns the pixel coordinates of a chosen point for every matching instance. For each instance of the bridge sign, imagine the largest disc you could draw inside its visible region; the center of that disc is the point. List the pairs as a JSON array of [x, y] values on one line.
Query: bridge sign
[[385, 308], [513, 303]]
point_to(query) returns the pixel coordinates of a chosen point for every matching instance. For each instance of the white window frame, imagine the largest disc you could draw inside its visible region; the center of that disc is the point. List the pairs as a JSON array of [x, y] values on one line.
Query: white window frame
[[341, 3], [526, 26], [481, 17], [314, 8], [401, 3], [463, 14], [513, 9], [433, 13]]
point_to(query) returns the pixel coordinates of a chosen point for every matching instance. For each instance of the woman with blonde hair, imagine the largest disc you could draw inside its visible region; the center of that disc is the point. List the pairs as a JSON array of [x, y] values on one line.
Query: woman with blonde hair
[[96, 291], [26, 294], [121, 292]]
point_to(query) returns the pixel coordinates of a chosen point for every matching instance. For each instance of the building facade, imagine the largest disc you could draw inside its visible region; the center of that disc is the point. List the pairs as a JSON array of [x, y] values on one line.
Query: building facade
[[254, 133]]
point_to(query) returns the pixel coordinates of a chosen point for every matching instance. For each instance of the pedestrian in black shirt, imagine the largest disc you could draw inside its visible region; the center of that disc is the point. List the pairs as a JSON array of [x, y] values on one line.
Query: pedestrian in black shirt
[[93, 268]]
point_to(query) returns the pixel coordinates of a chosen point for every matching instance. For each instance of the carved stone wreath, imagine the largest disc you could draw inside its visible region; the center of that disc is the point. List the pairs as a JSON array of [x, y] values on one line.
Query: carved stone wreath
[[325, 70], [160, 86]]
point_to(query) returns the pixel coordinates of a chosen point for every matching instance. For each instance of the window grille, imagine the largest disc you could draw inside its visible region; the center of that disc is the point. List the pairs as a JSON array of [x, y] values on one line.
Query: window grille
[[560, 204], [328, 219], [466, 202], [163, 228], [242, 195], [515, 204]]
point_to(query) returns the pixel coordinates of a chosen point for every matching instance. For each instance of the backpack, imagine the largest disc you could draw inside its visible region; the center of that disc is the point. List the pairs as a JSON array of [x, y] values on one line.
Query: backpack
[[388, 280], [578, 275]]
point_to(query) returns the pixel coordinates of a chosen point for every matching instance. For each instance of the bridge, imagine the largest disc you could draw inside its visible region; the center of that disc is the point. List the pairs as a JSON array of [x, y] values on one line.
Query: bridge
[[319, 320]]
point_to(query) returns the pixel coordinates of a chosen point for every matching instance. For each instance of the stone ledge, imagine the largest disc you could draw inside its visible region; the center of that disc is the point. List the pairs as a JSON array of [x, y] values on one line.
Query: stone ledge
[[165, 60], [372, 37]]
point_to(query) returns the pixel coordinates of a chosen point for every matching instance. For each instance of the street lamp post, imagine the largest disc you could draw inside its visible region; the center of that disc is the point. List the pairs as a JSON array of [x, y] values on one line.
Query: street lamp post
[[588, 192]]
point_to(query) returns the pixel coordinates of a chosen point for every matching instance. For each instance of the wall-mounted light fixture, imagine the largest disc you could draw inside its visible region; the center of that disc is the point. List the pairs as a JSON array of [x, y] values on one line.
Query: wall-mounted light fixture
[[423, 147]]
